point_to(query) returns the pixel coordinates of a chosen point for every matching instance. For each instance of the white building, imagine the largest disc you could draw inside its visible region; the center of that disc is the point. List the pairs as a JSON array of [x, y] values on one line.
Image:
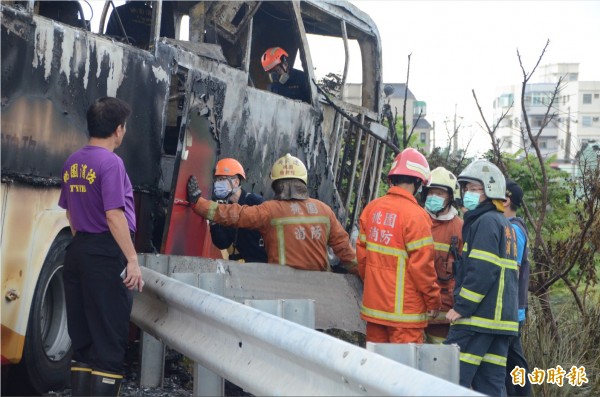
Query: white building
[[422, 131], [576, 109]]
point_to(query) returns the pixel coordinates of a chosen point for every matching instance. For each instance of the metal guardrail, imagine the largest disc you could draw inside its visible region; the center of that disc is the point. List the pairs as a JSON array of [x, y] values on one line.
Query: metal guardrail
[[267, 355]]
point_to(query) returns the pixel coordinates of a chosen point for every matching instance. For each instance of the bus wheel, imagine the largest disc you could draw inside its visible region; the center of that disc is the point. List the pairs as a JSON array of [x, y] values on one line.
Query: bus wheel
[[47, 352]]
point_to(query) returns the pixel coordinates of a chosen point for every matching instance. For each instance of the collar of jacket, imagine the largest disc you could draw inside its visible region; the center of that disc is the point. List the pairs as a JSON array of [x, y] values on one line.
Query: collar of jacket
[[398, 191], [452, 212], [472, 215], [243, 195]]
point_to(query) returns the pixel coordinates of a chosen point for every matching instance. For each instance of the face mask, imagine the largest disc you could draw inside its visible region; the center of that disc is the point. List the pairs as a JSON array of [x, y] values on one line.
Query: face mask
[[434, 203], [222, 189], [418, 191], [276, 77], [283, 78], [471, 200]]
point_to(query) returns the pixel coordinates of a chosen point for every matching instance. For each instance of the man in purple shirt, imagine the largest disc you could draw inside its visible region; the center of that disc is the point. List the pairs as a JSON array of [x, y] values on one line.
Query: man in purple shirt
[[101, 265]]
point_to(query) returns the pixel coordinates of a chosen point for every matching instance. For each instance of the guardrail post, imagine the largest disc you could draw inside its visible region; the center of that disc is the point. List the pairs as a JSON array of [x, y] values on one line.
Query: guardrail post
[[299, 311], [152, 351], [437, 360], [206, 382]]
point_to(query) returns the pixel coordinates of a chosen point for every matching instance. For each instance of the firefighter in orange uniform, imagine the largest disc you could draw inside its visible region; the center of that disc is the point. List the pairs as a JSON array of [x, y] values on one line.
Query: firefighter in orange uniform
[[296, 228], [439, 195], [395, 257]]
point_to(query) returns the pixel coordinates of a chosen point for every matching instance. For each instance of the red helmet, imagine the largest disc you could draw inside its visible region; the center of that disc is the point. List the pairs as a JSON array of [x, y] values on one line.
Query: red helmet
[[229, 167], [412, 163], [272, 58]]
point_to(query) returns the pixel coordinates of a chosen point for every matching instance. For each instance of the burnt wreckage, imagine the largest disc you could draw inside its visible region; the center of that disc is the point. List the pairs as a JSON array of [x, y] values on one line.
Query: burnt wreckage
[[195, 99]]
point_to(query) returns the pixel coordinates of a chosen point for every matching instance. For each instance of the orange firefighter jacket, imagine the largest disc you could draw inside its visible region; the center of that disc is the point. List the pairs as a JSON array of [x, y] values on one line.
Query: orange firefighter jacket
[[443, 231], [395, 260], [296, 232]]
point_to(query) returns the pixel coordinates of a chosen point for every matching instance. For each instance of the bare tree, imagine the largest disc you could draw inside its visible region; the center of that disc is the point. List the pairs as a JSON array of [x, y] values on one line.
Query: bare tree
[[553, 259]]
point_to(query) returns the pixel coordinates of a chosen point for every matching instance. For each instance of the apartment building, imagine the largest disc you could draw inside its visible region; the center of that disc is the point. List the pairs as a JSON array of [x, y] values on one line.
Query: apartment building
[[576, 107], [416, 111]]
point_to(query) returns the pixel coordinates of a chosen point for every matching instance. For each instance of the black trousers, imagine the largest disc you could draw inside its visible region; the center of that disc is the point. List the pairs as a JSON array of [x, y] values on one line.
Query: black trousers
[[98, 303], [482, 360], [516, 358]]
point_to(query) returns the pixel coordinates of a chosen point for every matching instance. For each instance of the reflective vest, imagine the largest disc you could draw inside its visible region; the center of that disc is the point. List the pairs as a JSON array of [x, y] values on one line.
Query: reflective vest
[[395, 260], [296, 233], [485, 293]]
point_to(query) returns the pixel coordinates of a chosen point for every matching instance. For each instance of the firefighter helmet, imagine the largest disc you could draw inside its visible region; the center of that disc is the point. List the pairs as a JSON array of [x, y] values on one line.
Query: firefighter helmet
[[289, 167], [486, 173], [444, 179], [412, 163], [229, 167], [272, 57]]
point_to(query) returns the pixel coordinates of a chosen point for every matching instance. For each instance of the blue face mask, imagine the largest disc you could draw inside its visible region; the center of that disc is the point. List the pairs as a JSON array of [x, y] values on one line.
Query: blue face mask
[[471, 200], [434, 203], [222, 189]]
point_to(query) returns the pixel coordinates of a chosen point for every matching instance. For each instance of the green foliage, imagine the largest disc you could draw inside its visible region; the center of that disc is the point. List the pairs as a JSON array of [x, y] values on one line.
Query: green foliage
[[559, 222], [331, 83], [454, 161]]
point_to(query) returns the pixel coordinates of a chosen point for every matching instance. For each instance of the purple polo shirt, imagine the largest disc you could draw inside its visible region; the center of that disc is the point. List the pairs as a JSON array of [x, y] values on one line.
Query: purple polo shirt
[[94, 181]]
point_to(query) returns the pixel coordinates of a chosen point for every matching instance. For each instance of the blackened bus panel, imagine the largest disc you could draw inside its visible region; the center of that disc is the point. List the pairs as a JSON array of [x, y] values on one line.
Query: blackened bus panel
[[50, 76]]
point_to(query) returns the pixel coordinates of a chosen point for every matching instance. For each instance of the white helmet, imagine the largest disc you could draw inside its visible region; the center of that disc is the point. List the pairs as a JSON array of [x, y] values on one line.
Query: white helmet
[[486, 173]]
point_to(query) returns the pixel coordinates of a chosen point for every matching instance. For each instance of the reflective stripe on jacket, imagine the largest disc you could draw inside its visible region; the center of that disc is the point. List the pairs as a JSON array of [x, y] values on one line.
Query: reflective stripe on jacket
[[296, 232], [485, 292], [443, 231], [395, 260]]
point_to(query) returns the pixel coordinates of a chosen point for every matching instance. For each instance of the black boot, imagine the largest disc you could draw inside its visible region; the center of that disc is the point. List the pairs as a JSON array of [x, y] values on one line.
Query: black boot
[[105, 383], [80, 378]]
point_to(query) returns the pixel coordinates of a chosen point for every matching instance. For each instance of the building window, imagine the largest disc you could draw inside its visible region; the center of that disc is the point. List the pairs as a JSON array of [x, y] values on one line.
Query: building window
[[505, 100], [540, 98], [423, 137], [596, 119], [596, 96], [587, 99], [543, 144], [586, 121]]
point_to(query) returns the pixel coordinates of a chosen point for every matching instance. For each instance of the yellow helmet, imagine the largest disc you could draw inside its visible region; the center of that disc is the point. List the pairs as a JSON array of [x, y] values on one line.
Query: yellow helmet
[[442, 178], [287, 167]]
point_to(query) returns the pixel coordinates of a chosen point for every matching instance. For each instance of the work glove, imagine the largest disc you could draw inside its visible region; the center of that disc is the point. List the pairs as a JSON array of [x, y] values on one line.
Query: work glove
[[193, 190]]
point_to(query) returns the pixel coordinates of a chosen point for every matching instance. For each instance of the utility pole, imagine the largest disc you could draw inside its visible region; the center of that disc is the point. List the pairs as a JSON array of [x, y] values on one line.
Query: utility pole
[[455, 132], [568, 138], [433, 136]]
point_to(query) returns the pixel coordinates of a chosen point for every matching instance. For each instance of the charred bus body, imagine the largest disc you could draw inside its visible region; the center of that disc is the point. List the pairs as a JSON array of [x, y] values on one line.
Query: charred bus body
[[194, 101]]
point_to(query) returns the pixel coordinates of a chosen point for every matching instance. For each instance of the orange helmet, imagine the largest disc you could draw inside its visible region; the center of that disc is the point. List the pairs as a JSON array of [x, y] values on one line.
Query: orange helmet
[[229, 167], [272, 58], [412, 163]]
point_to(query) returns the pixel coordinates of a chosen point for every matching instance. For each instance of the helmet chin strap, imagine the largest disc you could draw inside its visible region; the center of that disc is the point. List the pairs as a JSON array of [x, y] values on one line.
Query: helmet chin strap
[[233, 190]]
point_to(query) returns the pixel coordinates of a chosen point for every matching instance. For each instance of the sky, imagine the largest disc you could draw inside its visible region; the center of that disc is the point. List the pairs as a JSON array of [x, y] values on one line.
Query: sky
[[460, 46], [457, 46]]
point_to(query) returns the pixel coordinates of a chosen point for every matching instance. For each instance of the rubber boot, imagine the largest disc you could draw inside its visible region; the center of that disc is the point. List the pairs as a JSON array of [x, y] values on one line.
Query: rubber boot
[[80, 378], [104, 383]]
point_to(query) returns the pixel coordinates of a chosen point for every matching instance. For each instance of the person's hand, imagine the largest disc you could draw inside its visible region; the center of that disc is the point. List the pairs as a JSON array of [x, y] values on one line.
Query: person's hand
[[433, 313], [193, 190], [453, 315], [133, 276]]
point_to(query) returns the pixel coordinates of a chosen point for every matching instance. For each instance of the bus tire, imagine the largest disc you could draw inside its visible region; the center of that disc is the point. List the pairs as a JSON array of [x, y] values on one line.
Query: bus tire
[[47, 352]]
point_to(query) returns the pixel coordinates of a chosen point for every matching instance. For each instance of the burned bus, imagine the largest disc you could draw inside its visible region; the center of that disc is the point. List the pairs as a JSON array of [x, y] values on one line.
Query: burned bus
[[192, 74]]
